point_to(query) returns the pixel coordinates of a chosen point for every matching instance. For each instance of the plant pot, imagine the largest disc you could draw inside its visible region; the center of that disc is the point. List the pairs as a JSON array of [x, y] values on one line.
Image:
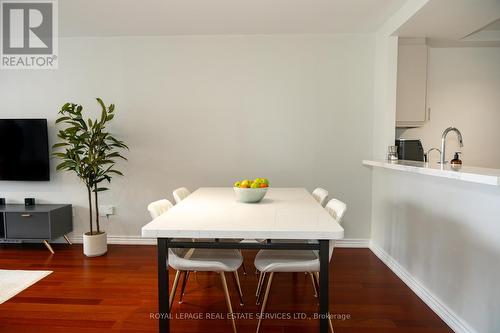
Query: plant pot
[[95, 245]]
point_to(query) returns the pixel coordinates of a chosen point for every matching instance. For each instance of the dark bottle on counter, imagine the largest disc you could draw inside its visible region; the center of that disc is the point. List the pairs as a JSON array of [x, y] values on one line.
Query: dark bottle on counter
[[456, 162]]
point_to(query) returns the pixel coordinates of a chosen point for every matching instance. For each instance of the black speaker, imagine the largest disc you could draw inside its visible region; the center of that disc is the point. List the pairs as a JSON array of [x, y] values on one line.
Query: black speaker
[[2, 201], [29, 201]]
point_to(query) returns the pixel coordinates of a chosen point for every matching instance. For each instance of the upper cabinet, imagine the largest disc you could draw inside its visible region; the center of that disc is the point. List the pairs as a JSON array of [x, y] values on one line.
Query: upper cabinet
[[411, 83]]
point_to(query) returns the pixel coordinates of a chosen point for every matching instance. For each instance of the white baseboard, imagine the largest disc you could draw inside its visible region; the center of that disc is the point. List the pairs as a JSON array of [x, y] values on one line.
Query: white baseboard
[[353, 243], [456, 323], [125, 240], [138, 240]]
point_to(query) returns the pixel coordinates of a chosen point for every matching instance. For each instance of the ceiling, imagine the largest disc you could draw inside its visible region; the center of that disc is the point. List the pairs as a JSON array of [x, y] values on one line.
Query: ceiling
[[495, 26], [450, 19], [185, 17], [490, 33]]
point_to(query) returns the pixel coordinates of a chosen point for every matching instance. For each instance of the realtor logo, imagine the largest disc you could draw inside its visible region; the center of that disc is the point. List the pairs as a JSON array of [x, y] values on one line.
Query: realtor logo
[[29, 34]]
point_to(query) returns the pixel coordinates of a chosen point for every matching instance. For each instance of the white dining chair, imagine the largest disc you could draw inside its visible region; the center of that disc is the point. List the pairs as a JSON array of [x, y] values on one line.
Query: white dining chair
[[180, 194], [210, 260], [320, 195], [201, 260], [277, 261], [156, 208]]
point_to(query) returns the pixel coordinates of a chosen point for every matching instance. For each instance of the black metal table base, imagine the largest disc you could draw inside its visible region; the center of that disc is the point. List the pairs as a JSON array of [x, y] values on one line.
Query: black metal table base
[[163, 290]]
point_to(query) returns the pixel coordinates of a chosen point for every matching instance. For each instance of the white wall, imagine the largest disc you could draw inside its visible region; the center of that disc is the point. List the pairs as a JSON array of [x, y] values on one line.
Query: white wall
[[206, 111], [444, 232], [463, 91], [385, 78], [386, 51]]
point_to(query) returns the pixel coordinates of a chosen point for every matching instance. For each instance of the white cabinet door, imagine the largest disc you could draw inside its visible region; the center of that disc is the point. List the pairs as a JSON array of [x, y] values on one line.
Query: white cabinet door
[[411, 85]]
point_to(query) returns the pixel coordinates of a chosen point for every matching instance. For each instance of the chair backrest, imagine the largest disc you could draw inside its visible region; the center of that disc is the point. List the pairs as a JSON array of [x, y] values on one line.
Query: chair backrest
[[336, 209], [320, 195], [159, 207], [180, 194]]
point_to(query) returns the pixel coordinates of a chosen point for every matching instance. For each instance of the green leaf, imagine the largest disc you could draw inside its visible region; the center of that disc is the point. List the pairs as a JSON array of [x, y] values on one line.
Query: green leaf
[[60, 144], [58, 120], [64, 165], [61, 155]]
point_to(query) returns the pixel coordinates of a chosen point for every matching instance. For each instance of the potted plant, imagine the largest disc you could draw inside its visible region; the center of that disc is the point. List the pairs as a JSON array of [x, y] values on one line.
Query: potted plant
[[88, 150]]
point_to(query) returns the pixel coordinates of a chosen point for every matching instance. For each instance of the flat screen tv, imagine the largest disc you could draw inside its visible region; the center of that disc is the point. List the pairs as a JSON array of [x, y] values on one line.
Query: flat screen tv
[[24, 149]]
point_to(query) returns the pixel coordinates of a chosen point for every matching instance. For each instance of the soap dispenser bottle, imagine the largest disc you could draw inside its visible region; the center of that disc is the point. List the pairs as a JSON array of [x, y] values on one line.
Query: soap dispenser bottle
[[456, 162]]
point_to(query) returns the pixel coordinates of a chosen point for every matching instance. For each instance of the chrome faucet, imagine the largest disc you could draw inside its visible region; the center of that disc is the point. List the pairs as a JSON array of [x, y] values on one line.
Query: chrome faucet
[[427, 155], [443, 142]]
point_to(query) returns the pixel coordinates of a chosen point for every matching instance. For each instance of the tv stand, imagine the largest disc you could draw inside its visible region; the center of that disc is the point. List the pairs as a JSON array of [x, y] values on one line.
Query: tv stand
[[38, 222]]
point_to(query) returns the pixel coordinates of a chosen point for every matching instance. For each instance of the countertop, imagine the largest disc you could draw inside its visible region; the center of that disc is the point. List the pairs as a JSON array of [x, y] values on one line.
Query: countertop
[[465, 173]]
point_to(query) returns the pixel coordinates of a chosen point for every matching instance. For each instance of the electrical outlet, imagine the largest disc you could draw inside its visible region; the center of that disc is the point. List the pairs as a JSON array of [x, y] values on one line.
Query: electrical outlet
[[106, 210]]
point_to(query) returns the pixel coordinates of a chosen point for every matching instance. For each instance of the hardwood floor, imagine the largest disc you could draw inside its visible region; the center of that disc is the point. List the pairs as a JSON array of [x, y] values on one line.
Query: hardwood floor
[[117, 293]]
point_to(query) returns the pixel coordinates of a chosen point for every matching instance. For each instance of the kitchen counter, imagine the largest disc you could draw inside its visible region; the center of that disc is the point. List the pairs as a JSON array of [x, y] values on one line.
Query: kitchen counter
[[465, 173]]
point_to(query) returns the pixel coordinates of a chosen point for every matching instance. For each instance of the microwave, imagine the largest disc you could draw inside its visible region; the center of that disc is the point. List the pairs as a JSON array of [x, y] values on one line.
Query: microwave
[[410, 150]]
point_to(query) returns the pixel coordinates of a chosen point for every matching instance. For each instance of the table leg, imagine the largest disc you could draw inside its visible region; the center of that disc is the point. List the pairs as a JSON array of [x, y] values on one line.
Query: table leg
[[323, 285], [164, 311]]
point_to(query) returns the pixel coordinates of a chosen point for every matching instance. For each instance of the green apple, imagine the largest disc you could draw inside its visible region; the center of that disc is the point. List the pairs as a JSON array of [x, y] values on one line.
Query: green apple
[[264, 181], [237, 184], [255, 185]]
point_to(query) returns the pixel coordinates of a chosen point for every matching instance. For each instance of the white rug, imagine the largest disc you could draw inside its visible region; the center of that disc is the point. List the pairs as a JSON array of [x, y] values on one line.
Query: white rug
[[13, 282]]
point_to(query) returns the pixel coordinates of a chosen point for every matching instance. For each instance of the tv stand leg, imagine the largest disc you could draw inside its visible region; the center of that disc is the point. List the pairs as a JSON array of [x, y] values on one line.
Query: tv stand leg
[[67, 240], [48, 246]]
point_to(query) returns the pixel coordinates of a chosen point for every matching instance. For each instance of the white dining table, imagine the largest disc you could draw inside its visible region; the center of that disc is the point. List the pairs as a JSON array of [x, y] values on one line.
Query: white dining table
[[283, 214]]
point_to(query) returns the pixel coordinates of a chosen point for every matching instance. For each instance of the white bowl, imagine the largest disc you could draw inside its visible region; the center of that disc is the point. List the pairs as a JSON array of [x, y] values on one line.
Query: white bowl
[[250, 194]]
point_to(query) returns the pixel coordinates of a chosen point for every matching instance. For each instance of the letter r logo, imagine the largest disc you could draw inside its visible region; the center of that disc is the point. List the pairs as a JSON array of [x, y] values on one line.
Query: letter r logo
[[27, 27]]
